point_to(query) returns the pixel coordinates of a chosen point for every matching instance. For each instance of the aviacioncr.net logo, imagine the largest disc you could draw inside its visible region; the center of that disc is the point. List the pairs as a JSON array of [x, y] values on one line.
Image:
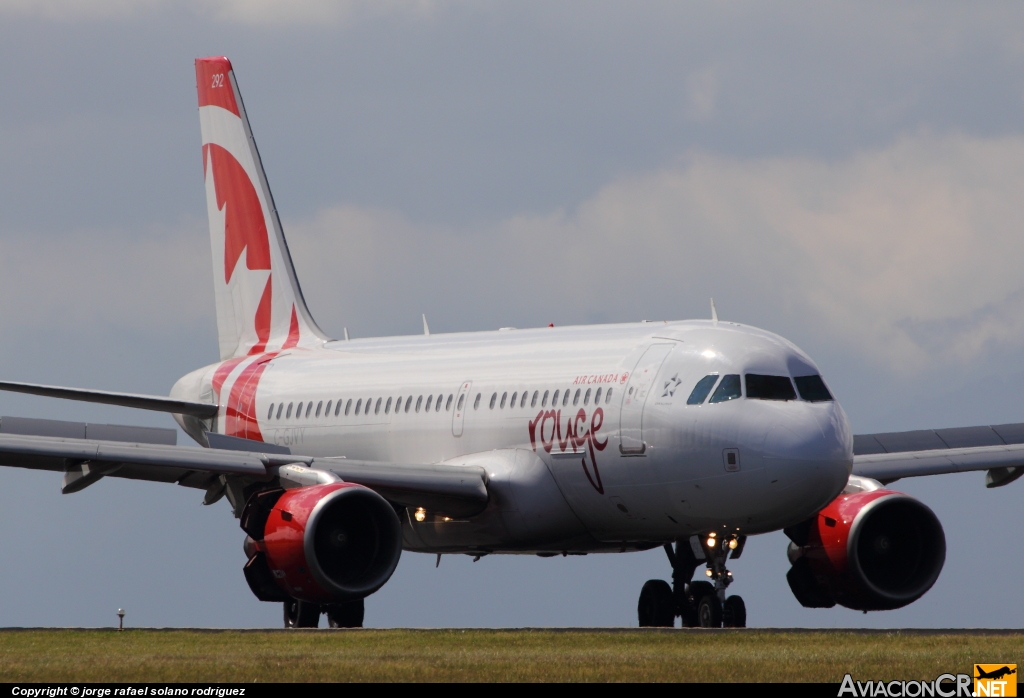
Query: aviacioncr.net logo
[[944, 686], [995, 680]]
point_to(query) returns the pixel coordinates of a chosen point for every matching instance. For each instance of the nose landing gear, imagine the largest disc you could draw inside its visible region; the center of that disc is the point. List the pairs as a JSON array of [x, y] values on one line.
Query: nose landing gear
[[701, 603]]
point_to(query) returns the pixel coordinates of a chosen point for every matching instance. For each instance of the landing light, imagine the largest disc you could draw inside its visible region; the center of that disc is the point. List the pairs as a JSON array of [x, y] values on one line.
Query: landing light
[[711, 542], [708, 572], [420, 515], [732, 544]]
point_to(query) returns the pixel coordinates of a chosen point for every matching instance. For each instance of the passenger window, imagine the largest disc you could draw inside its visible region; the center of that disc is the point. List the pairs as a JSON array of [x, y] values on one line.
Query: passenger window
[[408, 403], [597, 397], [503, 397], [337, 408], [494, 400], [761, 387], [327, 410], [279, 408], [270, 414], [462, 400], [812, 389], [430, 399], [608, 396], [728, 389], [476, 403], [544, 400], [318, 406], [576, 398], [376, 407], [309, 408], [437, 402], [448, 404], [565, 397], [358, 405], [701, 390], [348, 406], [298, 411], [533, 401], [554, 398], [289, 414], [398, 404], [512, 402], [366, 407], [419, 401], [387, 407], [586, 398]]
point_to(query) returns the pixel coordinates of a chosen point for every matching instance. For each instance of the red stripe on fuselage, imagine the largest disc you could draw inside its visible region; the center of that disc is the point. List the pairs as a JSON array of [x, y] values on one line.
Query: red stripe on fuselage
[[240, 414]]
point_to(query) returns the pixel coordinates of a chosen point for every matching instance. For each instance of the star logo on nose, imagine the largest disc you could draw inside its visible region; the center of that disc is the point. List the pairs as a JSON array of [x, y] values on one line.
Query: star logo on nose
[[670, 386]]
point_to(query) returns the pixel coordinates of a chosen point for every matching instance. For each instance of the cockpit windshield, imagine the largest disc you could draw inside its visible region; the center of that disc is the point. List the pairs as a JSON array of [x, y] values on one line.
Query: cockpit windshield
[[701, 390], [760, 387], [812, 389], [728, 389]]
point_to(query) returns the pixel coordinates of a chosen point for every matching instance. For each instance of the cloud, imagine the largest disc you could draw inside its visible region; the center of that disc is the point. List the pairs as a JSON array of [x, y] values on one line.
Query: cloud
[[253, 12], [155, 281], [908, 254]]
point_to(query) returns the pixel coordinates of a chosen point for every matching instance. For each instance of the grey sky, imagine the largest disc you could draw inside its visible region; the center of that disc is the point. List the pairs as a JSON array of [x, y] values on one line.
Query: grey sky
[[848, 175]]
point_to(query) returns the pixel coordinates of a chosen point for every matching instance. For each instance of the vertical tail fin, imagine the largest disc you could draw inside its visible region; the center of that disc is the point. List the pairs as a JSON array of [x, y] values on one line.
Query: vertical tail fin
[[259, 303]]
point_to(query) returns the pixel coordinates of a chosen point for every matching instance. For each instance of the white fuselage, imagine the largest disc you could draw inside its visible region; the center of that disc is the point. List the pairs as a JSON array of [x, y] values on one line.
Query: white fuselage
[[619, 461]]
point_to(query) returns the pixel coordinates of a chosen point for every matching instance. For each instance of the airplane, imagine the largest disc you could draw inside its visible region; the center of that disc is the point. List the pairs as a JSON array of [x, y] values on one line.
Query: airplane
[[995, 674], [336, 455]]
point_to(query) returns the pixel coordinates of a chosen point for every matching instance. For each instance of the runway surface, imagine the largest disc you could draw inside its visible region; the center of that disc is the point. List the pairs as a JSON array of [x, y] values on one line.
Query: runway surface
[[541, 654]]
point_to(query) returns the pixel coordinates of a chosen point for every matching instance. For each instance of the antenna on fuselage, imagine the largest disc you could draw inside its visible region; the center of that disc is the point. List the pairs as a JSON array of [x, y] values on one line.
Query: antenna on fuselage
[[714, 313], [346, 334], [426, 330]]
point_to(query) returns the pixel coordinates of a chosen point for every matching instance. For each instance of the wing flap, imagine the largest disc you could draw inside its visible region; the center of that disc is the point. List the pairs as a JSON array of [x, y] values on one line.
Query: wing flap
[[51, 453]]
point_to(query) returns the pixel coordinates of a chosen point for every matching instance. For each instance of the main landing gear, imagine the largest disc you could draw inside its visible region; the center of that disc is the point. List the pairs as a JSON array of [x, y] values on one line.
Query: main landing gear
[[305, 614], [702, 603]]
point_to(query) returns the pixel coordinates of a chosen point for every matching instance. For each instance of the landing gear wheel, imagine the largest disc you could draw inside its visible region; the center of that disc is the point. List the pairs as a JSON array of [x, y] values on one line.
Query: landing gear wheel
[[695, 591], [301, 614], [657, 607], [346, 615], [734, 613], [709, 612]]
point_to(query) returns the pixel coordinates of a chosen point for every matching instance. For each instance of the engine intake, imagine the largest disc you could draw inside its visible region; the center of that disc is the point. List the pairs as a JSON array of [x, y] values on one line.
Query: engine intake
[[325, 543], [869, 551]]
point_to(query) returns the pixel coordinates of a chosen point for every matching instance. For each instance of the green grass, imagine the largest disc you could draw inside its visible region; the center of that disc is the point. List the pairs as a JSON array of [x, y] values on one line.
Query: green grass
[[492, 655]]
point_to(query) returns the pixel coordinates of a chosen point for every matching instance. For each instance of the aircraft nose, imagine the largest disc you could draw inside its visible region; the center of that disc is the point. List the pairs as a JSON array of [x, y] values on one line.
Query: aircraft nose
[[808, 455]]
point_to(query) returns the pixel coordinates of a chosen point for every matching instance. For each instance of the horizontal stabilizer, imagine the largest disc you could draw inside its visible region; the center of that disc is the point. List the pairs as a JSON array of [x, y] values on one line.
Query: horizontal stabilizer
[[157, 403]]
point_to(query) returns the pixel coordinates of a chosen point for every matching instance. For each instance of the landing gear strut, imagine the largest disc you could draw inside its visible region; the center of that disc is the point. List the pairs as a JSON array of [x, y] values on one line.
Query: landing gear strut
[[701, 603]]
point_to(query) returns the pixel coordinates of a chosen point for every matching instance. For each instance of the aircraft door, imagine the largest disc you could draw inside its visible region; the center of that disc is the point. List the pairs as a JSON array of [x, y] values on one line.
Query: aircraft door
[[635, 396], [461, 405]]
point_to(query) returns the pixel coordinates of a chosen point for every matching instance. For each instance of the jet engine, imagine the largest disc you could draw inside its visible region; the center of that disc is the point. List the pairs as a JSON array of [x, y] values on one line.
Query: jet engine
[[867, 550], [324, 543]]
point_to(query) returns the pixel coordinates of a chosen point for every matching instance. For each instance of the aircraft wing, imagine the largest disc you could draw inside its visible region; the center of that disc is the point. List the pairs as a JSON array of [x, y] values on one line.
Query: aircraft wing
[[888, 457], [87, 452]]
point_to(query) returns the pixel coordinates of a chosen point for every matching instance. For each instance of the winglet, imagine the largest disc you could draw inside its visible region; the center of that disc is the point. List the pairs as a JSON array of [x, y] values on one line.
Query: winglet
[[714, 312], [426, 330]]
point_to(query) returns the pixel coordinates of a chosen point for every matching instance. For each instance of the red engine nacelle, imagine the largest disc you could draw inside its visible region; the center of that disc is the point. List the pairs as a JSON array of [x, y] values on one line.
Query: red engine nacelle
[[325, 543], [869, 551]]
